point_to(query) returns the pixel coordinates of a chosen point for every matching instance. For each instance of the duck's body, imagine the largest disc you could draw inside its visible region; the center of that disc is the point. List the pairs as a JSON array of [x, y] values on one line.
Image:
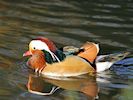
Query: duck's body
[[70, 66]]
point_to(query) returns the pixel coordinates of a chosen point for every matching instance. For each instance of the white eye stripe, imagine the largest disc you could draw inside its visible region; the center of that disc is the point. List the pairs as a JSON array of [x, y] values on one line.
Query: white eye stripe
[[39, 45]]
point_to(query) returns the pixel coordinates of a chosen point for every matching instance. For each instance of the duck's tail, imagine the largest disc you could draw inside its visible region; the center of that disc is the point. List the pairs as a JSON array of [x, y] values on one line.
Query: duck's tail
[[104, 62], [112, 57]]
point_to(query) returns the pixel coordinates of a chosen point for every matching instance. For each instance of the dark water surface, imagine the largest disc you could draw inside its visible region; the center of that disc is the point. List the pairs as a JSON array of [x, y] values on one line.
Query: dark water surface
[[66, 22]]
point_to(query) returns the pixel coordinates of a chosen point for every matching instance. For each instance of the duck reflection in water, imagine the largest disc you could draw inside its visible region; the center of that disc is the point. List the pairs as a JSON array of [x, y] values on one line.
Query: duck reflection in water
[[44, 86]]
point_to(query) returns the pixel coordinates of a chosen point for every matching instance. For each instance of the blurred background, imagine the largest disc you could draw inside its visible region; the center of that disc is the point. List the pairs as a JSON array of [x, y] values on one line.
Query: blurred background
[[66, 22]]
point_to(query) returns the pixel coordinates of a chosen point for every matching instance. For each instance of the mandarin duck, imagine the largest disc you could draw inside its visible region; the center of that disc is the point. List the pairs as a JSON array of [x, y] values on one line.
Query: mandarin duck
[[85, 60]]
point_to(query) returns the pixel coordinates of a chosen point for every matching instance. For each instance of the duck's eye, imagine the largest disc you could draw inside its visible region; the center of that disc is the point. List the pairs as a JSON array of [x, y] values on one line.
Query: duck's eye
[[34, 48]]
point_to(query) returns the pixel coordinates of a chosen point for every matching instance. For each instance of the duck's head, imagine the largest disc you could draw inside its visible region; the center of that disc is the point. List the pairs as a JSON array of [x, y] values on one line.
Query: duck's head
[[37, 61], [40, 43]]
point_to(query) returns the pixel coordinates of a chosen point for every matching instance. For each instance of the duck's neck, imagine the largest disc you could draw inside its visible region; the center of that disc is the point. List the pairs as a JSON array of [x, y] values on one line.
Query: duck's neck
[[37, 62]]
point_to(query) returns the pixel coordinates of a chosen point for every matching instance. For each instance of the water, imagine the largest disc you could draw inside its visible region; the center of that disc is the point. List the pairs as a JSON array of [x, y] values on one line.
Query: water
[[66, 22]]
